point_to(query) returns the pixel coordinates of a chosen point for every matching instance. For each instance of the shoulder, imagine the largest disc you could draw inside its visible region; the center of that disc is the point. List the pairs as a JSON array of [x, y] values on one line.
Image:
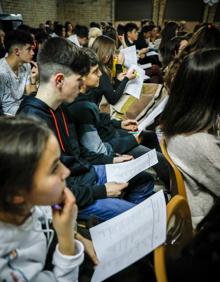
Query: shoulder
[[201, 144]]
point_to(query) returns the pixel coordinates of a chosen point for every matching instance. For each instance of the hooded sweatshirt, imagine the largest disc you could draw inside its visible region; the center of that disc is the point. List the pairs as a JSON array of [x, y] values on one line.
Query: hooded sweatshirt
[[82, 180], [23, 251]]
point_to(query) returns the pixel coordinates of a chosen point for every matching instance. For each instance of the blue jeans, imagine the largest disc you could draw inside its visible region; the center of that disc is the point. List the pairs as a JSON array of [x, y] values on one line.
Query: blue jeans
[[140, 188], [105, 209]]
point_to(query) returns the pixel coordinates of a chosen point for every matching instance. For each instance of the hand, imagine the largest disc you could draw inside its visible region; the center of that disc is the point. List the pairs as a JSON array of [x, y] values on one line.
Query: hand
[[121, 38], [88, 246], [131, 74], [34, 73], [63, 222], [129, 124], [122, 158], [121, 76], [114, 189]]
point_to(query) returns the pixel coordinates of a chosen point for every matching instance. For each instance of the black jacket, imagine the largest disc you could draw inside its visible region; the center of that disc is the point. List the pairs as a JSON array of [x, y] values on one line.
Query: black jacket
[[86, 115], [82, 180]]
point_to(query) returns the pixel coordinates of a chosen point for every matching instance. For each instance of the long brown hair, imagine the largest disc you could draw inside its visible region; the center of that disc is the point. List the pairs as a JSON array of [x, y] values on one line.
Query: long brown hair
[[104, 47]]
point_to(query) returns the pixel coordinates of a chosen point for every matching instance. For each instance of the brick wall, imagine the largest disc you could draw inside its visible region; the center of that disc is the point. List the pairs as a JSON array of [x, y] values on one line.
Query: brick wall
[[86, 11], [33, 11], [77, 11]]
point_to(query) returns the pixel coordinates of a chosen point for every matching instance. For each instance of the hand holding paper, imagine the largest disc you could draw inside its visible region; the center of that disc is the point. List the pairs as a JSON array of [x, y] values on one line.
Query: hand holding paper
[[129, 124], [115, 189], [123, 172]]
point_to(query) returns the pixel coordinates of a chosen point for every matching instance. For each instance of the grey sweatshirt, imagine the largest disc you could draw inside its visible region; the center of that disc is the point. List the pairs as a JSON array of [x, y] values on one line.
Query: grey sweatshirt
[[23, 252], [198, 158]]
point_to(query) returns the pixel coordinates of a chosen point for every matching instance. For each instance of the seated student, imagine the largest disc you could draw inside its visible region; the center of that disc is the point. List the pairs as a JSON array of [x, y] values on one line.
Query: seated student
[[31, 174], [16, 76], [80, 38], [62, 65], [99, 133], [104, 47], [191, 112]]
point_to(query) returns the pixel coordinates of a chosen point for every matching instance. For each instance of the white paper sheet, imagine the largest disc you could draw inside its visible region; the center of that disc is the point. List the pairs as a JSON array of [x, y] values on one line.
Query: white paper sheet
[[145, 66], [134, 86], [130, 54], [126, 238], [152, 53], [150, 118], [123, 172]]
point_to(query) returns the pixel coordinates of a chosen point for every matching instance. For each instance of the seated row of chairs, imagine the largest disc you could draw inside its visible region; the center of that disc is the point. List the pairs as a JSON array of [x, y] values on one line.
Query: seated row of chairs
[[179, 222]]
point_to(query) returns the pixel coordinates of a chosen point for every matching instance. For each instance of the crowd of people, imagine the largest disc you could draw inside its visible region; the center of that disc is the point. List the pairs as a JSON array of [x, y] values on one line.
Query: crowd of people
[[55, 141]]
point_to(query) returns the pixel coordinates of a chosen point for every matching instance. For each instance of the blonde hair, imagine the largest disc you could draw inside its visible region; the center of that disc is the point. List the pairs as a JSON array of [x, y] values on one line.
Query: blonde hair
[[94, 32]]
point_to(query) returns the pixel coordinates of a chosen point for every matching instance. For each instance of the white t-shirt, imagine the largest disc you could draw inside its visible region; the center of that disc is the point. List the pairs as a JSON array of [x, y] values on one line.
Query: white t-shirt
[[74, 39], [12, 87]]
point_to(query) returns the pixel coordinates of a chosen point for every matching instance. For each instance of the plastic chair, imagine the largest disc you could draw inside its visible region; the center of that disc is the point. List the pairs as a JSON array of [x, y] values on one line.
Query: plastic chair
[[179, 233], [177, 186]]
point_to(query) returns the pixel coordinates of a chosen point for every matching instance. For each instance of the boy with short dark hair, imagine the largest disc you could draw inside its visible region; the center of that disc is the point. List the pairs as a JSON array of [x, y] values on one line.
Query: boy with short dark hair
[[16, 76], [62, 66]]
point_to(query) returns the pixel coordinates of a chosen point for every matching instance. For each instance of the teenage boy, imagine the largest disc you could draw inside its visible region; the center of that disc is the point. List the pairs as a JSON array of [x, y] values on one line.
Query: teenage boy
[[16, 76], [99, 133], [80, 38], [62, 66]]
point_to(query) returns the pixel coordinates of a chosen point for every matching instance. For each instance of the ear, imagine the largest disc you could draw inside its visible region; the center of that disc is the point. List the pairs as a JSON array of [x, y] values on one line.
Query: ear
[[59, 79], [16, 51], [18, 200]]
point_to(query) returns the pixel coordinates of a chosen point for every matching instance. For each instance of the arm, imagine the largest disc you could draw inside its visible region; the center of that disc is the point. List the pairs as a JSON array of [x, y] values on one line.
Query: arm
[[110, 94], [34, 76], [69, 253]]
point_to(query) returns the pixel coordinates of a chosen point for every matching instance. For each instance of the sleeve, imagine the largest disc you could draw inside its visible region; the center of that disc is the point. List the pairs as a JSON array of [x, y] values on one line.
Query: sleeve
[[111, 95], [66, 268], [96, 158], [86, 190], [92, 148], [91, 140], [116, 123]]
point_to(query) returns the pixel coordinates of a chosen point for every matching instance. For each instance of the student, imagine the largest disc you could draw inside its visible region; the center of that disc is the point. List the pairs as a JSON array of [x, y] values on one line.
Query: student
[[99, 133], [104, 47], [80, 37], [16, 76], [191, 112], [32, 175], [207, 36], [169, 31], [62, 66]]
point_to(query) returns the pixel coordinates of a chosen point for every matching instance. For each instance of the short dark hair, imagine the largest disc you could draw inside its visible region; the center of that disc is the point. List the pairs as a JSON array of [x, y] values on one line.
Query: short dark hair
[[129, 27], [60, 55], [22, 143], [195, 105], [17, 37], [93, 58], [81, 31]]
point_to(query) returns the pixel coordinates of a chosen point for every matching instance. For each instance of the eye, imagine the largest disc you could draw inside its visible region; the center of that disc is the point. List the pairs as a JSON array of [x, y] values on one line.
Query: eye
[[55, 168]]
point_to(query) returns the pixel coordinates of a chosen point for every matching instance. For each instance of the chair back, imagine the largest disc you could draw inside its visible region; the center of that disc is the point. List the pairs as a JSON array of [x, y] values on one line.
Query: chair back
[[179, 233], [177, 186]]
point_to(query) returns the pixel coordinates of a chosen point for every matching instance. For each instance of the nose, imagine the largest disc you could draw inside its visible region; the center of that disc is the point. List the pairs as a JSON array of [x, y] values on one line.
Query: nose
[[99, 73], [65, 172]]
